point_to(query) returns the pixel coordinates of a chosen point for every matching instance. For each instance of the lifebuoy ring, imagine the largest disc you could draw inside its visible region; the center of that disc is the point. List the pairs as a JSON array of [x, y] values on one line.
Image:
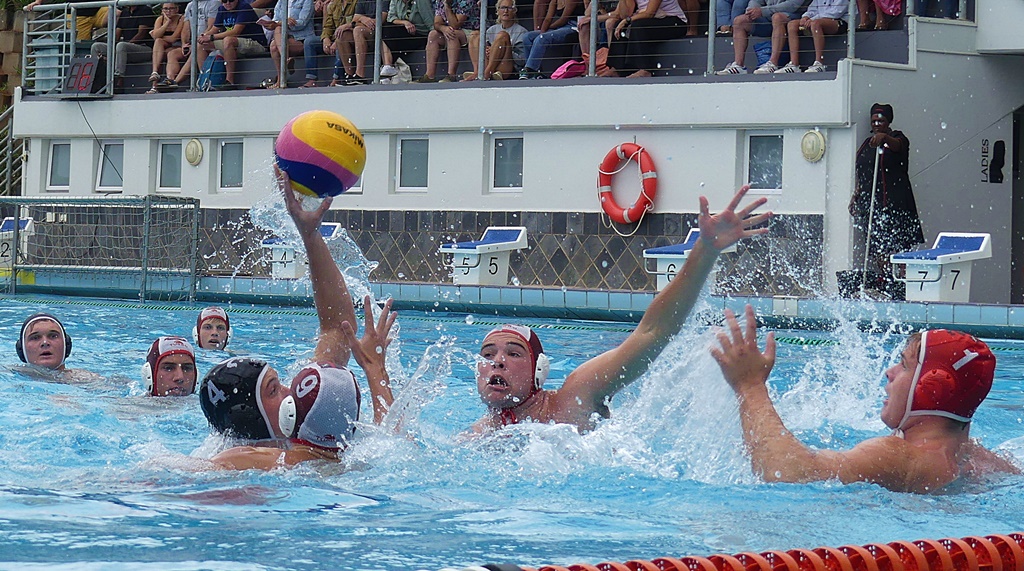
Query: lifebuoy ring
[[649, 183]]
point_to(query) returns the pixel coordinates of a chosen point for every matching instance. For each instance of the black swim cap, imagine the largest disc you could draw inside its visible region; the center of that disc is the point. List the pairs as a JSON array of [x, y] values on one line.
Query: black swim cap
[[231, 401]]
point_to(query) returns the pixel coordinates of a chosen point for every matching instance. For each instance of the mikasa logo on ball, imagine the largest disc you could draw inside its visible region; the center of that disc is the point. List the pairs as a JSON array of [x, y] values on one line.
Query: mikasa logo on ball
[[355, 136]]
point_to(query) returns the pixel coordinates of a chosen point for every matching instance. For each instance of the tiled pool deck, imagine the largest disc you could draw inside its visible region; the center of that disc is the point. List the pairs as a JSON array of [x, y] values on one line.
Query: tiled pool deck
[[999, 321]]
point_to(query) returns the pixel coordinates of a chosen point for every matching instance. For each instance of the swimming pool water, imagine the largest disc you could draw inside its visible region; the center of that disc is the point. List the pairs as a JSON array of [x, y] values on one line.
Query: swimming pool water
[[96, 476]]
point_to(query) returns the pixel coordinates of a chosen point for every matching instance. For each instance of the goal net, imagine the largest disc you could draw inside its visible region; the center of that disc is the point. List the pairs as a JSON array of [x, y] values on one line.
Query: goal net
[[113, 247]]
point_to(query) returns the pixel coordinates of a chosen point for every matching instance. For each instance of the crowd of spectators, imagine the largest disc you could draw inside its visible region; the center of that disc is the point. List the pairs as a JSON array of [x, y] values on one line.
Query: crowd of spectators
[[630, 36]]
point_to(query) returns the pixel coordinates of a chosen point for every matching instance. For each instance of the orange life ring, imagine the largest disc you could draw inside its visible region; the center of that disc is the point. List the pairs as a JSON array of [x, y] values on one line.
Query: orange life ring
[[649, 183]]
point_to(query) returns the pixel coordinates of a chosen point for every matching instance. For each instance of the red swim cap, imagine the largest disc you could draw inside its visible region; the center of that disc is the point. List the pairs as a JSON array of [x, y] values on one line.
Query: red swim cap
[[162, 348], [541, 365], [954, 374]]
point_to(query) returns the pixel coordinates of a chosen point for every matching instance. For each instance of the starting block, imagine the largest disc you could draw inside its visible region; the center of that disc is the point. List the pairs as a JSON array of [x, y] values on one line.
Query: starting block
[[285, 262], [942, 273], [485, 261], [26, 228], [670, 259]]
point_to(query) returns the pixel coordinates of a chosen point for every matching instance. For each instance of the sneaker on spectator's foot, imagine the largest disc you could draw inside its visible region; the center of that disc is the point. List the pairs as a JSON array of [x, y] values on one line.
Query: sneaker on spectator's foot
[[527, 73], [789, 68], [448, 79], [426, 79], [816, 67], [732, 68], [388, 71], [356, 80], [766, 67]]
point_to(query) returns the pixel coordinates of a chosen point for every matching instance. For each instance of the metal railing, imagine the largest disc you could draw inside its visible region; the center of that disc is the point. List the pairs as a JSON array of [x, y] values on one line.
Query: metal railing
[[13, 150], [49, 40]]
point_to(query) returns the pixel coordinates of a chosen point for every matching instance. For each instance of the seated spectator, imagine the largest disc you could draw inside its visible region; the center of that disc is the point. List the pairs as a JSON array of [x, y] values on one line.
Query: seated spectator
[[336, 14], [166, 36], [551, 31], [87, 20], [170, 368], [179, 59], [884, 11], [692, 10], [236, 34], [505, 51], [606, 18], [761, 18], [451, 20], [407, 26], [632, 48], [354, 38], [725, 12], [134, 43], [822, 17], [300, 29], [947, 8], [213, 329]]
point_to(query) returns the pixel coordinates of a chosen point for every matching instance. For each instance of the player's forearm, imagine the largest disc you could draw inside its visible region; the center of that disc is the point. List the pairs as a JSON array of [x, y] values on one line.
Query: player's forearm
[[330, 293], [670, 308], [775, 454]]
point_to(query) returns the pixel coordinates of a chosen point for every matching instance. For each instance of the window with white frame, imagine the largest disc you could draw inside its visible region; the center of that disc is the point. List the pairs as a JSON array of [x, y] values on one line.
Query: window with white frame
[[169, 166], [413, 155], [764, 162], [507, 162], [231, 164], [59, 176], [109, 174], [357, 187]]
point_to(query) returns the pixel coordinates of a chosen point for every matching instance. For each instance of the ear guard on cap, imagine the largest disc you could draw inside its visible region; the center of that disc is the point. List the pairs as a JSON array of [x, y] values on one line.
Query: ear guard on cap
[[286, 416], [147, 377], [541, 373]]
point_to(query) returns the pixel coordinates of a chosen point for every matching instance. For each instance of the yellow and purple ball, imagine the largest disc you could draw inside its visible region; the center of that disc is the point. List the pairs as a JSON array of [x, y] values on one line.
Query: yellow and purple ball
[[322, 152]]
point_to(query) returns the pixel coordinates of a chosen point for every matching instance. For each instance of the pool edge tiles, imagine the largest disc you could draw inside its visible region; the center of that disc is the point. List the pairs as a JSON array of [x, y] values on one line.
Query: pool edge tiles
[[986, 320]]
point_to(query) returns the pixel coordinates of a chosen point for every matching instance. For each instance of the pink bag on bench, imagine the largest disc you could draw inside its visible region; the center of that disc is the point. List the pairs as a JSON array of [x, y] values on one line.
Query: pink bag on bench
[[569, 69]]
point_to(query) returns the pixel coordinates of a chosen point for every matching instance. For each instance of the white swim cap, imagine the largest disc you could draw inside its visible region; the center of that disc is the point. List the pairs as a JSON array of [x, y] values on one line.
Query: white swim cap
[[322, 408]]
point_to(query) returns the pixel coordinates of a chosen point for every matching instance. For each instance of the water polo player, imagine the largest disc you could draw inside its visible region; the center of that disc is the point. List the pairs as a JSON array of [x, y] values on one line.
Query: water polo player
[[315, 418], [170, 368], [513, 368], [932, 392], [43, 342], [213, 329]]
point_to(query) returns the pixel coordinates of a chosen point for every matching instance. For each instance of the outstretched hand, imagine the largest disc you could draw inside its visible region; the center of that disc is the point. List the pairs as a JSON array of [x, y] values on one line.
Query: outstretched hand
[[728, 226], [743, 364], [307, 221], [372, 348]]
